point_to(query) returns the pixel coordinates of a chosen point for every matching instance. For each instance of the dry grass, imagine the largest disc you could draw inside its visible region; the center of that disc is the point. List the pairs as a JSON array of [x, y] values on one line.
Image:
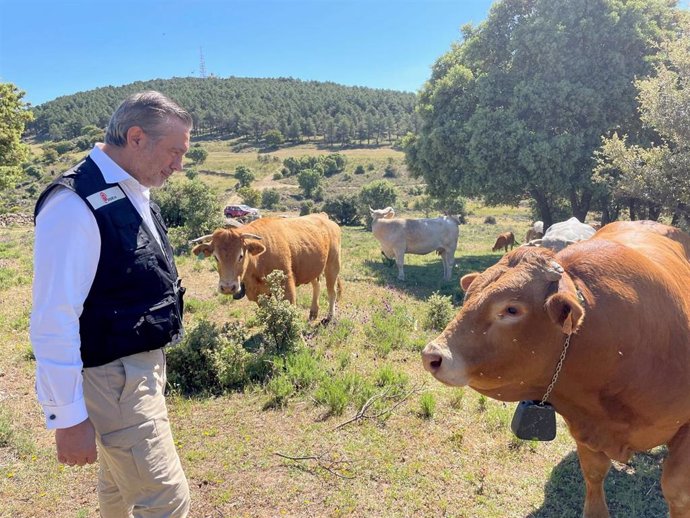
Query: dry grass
[[462, 462]]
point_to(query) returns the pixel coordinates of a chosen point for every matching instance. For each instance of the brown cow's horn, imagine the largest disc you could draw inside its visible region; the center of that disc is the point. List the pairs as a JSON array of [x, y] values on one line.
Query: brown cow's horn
[[250, 236], [198, 239], [554, 272]]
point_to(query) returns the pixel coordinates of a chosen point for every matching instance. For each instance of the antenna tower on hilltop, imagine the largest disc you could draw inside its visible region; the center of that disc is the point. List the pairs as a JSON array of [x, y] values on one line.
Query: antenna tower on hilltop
[[202, 64]]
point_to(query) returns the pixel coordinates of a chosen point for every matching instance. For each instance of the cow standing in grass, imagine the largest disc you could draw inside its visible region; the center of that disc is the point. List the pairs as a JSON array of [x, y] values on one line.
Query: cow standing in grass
[[303, 248], [504, 240], [615, 309], [398, 236]]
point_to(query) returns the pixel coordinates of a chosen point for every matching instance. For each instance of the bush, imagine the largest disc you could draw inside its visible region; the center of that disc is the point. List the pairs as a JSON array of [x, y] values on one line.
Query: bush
[[270, 198], [333, 394], [282, 327], [377, 195], [489, 220], [244, 176], [439, 312], [342, 209], [427, 405], [390, 171], [309, 181], [197, 155], [359, 169], [307, 207], [250, 196]]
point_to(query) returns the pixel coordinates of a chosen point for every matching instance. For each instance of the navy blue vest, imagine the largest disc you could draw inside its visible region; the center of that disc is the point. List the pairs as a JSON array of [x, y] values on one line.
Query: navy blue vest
[[135, 302]]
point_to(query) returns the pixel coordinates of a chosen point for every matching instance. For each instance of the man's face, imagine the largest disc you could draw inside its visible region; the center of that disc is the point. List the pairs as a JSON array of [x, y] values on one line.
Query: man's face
[[157, 159]]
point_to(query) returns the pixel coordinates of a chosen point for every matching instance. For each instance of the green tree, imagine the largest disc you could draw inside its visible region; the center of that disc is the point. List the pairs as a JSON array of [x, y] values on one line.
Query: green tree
[[309, 181], [14, 116], [270, 198], [244, 176], [376, 195], [273, 138], [197, 155], [519, 106], [250, 196], [655, 179], [342, 209]]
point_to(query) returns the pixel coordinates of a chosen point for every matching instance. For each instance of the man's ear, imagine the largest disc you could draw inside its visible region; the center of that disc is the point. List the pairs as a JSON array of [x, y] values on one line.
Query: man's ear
[[255, 248], [566, 311], [203, 248], [135, 136], [467, 280]]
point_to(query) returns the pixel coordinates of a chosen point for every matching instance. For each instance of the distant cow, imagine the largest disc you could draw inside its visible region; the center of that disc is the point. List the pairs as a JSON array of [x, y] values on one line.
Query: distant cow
[[398, 236], [505, 240], [601, 328], [536, 231], [303, 248], [560, 235]]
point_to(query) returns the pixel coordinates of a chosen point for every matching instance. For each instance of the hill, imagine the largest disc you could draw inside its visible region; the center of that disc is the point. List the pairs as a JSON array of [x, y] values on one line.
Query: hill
[[246, 107]]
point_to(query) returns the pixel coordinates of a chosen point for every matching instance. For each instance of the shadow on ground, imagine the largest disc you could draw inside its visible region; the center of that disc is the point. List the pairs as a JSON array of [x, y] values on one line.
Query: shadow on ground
[[421, 281], [632, 490]]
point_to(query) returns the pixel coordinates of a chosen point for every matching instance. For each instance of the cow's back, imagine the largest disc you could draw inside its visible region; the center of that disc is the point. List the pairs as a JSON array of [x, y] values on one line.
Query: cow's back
[[420, 236], [301, 245]]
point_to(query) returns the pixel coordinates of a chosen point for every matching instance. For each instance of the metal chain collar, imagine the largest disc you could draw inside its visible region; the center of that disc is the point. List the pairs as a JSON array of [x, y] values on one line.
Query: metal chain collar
[[558, 370]]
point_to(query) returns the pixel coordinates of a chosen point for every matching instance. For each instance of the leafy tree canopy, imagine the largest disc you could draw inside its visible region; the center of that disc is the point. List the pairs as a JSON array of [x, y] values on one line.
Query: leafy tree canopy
[[14, 115], [519, 107]]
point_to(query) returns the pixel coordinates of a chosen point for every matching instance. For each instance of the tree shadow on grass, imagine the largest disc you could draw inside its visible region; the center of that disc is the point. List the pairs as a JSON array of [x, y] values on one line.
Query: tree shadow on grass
[[632, 490], [421, 281]]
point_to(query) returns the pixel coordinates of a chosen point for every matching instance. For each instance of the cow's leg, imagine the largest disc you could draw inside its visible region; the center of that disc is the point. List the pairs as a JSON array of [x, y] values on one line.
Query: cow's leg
[[595, 466], [331, 281], [316, 289], [446, 267], [675, 480], [290, 290], [400, 262]]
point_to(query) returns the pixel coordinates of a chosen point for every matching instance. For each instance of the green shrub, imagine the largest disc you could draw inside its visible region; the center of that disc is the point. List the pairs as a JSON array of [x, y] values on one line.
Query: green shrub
[[280, 322], [197, 155], [439, 312], [359, 169], [377, 195], [303, 369], [390, 329], [211, 360], [342, 209], [244, 176], [387, 377], [427, 405], [333, 394], [307, 207], [251, 197], [270, 198], [279, 389]]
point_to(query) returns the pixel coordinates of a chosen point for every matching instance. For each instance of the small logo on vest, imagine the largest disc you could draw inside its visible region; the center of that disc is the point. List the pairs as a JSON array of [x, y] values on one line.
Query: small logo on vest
[[102, 198]]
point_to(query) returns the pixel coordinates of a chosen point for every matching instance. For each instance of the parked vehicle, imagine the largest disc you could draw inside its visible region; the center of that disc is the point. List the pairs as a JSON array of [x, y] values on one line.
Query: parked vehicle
[[243, 213]]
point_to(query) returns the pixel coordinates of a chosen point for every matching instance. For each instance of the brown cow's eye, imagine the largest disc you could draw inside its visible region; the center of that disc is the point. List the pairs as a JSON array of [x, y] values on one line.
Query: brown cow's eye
[[240, 257], [512, 310]]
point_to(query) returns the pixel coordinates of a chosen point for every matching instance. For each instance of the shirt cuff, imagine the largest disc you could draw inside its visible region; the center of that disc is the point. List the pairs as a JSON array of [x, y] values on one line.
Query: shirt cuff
[[66, 415]]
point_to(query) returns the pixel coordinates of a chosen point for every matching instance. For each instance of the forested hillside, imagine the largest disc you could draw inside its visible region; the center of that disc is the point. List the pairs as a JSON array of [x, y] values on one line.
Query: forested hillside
[[246, 107]]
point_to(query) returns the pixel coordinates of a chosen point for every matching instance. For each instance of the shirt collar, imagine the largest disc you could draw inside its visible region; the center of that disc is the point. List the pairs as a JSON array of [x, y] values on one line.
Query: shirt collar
[[113, 173]]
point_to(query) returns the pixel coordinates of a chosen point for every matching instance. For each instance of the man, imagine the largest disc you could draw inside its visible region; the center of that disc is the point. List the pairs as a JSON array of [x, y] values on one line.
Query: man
[[106, 300]]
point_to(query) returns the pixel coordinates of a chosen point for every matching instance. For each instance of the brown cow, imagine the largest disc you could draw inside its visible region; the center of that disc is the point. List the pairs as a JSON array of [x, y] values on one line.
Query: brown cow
[[304, 248], [621, 302], [505, 240]]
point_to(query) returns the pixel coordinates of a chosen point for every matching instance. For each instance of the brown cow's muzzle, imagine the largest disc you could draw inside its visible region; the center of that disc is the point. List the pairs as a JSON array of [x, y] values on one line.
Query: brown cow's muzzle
[[444, 366], [235, 288], [432, 358]]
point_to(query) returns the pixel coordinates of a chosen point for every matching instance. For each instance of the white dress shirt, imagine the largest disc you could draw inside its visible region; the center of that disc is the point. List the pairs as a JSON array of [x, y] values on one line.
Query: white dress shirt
[[66, 253]]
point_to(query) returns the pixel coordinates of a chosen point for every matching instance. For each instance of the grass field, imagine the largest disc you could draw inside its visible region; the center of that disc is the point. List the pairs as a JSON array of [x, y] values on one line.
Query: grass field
[[436, 451]]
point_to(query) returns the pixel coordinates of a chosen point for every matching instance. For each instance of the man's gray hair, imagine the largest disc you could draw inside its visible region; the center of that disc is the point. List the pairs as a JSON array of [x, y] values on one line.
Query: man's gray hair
[[151, 111]]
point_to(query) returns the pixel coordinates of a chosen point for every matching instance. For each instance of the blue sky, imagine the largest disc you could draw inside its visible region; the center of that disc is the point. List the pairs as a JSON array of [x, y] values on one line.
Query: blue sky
[[50, 48]]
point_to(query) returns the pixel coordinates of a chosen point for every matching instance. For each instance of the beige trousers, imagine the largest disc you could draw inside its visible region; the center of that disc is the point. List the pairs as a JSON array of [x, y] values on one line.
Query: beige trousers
[[140, 472]]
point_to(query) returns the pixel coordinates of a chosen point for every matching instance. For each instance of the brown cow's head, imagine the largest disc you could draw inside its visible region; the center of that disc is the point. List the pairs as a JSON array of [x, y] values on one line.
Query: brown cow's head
[[507, 338], [232, 249]]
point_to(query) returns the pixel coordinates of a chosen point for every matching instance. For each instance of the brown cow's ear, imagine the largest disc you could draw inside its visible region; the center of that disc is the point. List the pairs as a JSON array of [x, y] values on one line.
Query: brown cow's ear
[[467, 280], [566, 311], [255, 248], [203, 248]]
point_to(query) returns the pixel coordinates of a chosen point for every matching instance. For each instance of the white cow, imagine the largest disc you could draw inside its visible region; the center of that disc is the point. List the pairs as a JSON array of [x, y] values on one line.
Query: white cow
[[560, 235], [398, 236]]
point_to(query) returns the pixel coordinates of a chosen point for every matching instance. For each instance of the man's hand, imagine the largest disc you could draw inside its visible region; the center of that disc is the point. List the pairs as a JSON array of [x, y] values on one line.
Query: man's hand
[[76, 444]]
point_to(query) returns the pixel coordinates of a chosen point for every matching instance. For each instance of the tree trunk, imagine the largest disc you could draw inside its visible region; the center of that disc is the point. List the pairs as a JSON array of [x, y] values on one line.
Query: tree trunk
[[654, 211], [580, 204], [544, 208], [631, 208]]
